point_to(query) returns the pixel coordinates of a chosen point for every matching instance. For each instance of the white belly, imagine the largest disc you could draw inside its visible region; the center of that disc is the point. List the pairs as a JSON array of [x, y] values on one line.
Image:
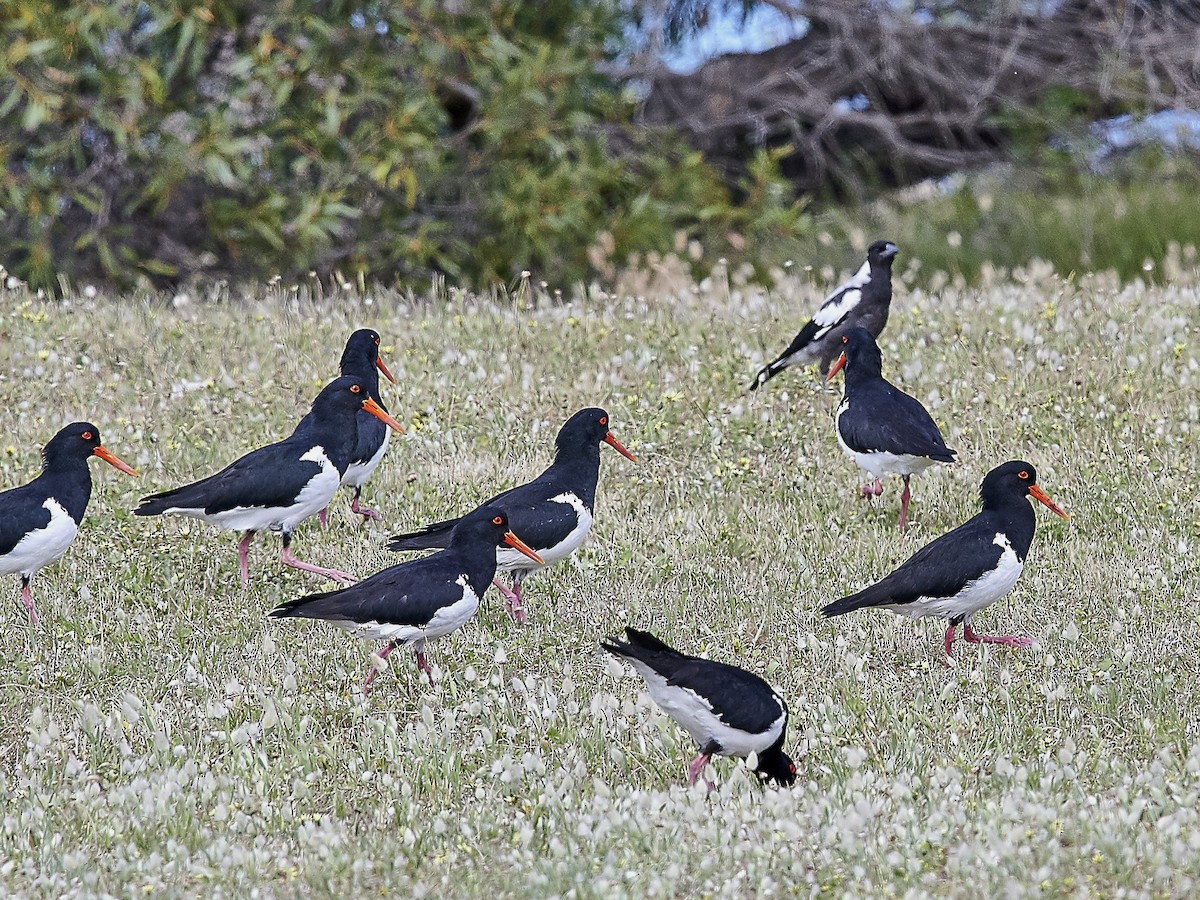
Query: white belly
[[981, 592], [696, 717], [878, 463], [313, 498], [358, 473], [42, 547], [447, 619], [508, 559]]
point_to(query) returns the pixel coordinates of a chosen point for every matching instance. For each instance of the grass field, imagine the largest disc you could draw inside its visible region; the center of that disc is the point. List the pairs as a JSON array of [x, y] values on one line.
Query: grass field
[[160, 737]]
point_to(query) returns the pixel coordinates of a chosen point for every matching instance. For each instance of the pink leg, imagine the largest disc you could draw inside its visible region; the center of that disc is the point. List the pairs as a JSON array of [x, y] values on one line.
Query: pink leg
[[696, 770], [383, 654], [323, 518], [288, 560], [1008, 640], [27, 599], [362, 510], [904, 505], [949, 642], [422, 664], [244, 556], [512, 601]]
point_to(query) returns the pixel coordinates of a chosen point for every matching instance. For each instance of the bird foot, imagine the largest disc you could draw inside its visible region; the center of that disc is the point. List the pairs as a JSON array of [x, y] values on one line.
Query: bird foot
[[335, 574], [873, 490], [364, 512], [512, 603], [424, 666], [378, 664], [696, 771], [1006, 640]]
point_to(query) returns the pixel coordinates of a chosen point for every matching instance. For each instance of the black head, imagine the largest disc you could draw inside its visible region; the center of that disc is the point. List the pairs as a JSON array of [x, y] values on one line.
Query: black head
[[346, 395], [860, 356], [78, 441], [775, 765], [362, 353], [881, 253], [1014, 480], [587, 428], [488, 525]]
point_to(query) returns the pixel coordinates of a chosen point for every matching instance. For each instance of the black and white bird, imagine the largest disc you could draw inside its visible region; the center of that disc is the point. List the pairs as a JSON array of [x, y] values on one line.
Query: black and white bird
[[968, 568], [279, 486], [422, 599], [879, 426], [362, 360], [552, 513], [863, 301], [39, 520], [727, 710]]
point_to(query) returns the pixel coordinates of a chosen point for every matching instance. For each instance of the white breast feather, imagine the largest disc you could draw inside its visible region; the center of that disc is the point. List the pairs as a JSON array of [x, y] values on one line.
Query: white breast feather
[[445, 620], [41, 547], [696, 717], [358, 473], [983, 591]]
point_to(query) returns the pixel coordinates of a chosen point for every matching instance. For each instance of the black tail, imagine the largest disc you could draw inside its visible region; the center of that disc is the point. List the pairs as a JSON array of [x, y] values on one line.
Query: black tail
[[642, 645], [310, 606], [157, 504], [431, 537], [766, 373], [861, 600]]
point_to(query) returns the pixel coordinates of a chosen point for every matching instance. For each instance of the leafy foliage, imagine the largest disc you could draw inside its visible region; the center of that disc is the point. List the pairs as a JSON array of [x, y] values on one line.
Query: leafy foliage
[[394, 138]]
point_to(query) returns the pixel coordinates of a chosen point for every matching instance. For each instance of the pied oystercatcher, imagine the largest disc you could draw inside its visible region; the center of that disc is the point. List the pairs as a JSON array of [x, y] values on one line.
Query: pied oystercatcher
[[279, 486], [727, 711], [362, 360], [422, 599], [552, 513], [879, 426], [968, 568], [39, 520], [864, 301]]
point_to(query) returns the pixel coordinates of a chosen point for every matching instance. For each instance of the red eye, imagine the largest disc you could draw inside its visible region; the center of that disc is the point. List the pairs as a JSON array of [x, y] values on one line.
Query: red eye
[[792, 768], [499, 520], [87, 435], [354, 389], [1023, 475], [376, 342], [845, 340], [604, 420]]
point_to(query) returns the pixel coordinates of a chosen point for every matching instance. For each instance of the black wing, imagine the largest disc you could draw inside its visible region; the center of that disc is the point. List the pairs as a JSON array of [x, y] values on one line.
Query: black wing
[[739, 698], [941, 568], [407, 594], [21, 511], [271, 476], [882, 417]]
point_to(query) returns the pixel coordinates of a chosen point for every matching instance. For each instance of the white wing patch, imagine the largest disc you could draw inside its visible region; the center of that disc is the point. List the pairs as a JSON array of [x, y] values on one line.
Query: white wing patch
[[39, 548], [975, 595], [835, 310], [695, 715], [445, 620]]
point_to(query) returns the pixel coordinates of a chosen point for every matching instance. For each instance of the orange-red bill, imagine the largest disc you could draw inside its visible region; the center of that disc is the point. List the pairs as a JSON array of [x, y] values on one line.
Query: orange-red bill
[[612, 441], [109, 457], [379, 364], [378, 412], [1038, 494], [836, 367], [517, 544]]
